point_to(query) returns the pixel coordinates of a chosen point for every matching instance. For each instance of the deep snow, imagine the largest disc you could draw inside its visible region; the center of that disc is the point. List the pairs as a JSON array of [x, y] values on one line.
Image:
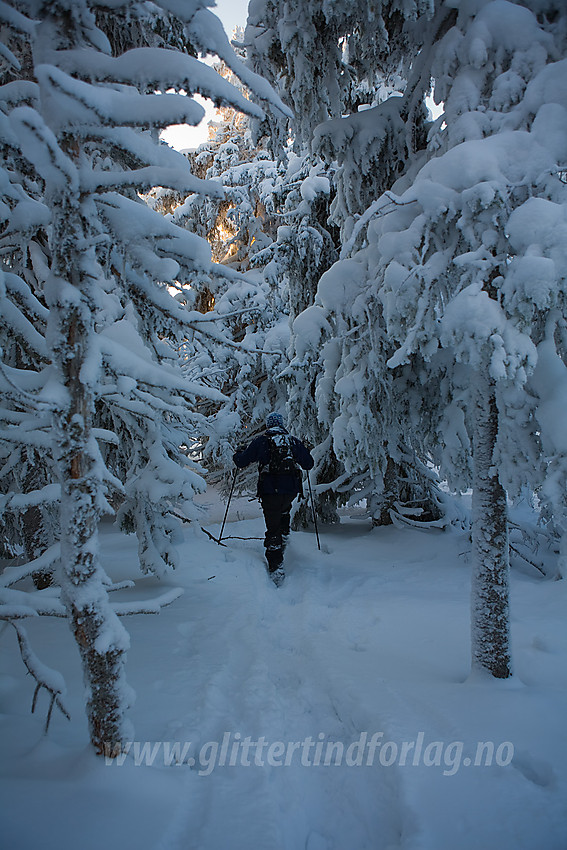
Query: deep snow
[[370, 635]]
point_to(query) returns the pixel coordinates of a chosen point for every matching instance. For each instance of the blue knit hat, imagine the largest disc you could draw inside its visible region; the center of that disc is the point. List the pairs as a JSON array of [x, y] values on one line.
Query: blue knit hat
[[274, 420]]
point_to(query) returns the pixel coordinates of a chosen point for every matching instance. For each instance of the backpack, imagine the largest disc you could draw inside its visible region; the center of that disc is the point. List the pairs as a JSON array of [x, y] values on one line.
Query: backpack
[[281, 460]]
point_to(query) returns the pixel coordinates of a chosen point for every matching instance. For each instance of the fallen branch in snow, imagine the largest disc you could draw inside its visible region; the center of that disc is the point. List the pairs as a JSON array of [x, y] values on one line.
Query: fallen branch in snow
[[235, 537], [226, 537], [208, 533]]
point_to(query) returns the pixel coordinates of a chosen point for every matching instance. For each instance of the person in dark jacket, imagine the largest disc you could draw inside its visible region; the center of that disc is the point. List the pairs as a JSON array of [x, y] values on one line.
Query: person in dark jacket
[[278, 484]]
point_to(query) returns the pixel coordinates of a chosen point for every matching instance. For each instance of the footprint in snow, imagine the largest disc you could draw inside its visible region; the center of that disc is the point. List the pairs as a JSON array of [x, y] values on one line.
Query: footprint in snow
[[315, 841], [533, 769]]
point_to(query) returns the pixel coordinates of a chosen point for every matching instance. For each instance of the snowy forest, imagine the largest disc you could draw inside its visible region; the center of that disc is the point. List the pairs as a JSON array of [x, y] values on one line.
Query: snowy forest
[[372, 241]]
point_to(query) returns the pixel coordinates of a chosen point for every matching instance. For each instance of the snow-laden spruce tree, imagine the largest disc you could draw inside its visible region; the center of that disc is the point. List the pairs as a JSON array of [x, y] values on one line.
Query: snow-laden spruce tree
[[373, 415], [326, 58], [243, 359], [329, 60], [427, 334], [238, 224], [303, 250], [318, 56], [371, 149], [80, 123], [462, 268], [26, 462]]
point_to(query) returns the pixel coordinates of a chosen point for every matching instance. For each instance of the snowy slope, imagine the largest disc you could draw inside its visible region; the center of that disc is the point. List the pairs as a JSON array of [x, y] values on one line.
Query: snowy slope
[[368, 636]]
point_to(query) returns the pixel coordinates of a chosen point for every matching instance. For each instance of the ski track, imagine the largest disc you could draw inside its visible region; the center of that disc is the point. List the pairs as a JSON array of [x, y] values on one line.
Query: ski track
[[368, 635], [280, 673], [330, 653]]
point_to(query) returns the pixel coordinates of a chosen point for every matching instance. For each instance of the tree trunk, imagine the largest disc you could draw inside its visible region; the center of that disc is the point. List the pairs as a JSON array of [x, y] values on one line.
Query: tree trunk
[[381, 504], [35, 538], [101, 639], [325, 509], [490, 602]]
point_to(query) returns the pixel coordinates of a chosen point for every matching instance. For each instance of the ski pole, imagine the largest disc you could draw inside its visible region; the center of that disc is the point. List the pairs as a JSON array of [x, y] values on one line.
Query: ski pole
[[313, 511], [228, 505]]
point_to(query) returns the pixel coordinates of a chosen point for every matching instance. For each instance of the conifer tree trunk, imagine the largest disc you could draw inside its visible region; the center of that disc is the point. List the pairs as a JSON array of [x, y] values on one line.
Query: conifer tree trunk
[[101, 639], [34, 533], [490, 602], [381, 504]]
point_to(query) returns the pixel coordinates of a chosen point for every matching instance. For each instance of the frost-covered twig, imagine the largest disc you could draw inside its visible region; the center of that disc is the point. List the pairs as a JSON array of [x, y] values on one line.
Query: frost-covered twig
[[196, 326]]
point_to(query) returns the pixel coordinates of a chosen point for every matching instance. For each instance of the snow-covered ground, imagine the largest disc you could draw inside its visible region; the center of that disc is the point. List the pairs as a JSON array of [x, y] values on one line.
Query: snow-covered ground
[[334, 712]]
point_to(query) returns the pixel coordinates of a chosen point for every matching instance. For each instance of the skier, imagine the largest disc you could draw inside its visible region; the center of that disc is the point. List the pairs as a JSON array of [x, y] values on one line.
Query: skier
[[279, 482]]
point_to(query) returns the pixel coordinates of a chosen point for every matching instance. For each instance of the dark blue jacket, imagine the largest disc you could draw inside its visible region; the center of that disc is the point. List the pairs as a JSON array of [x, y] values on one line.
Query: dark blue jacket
[[259, 452]]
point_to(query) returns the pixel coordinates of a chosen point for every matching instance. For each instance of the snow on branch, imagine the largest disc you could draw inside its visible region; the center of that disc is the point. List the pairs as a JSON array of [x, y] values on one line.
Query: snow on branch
[[132, 221], [380, 206], [206, 31], [149, 606], [150, 373], [144, 179], [11, 390], [9, 57], [119, 585], [158, 69], [11, 575], [81, 105], [403, 515], [15, 19], [23, 328], [14, 282], [40, 146], [17, 605], [18, 93], [45, 677], [18, 501]]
